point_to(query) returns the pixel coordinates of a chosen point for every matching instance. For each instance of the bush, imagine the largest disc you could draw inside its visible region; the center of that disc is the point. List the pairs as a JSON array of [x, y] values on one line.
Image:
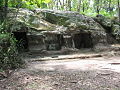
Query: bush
[[9, 56]]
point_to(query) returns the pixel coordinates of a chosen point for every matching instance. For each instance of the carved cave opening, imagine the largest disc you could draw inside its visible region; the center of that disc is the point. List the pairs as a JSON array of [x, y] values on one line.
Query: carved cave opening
[[22, 41], [83, 40], [54, 41]]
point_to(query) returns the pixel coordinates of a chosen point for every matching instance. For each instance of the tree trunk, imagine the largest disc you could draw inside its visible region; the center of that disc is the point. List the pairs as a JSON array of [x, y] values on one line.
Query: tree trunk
[[79, 5], [57, 5], [69, 5], [63, 4], [83, 7], [119, 10], [5, 9], [60, 4]]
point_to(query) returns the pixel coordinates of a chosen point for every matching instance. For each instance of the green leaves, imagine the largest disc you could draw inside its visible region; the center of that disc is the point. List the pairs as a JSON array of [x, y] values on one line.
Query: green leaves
[[1, 3], [47, 1], [89, 7], [9, 57], [30, 4]]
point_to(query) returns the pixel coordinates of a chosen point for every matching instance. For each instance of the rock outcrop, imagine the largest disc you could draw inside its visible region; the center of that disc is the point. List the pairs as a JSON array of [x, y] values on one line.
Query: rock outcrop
[[111, 26], [52, 30]]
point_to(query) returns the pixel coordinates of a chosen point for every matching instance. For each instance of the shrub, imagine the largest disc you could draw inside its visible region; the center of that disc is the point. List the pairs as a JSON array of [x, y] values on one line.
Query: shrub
[[9, 56]]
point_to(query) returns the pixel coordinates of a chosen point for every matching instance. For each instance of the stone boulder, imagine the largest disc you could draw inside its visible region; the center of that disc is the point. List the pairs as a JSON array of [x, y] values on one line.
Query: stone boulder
[[116, 31], [105, 22], [111, 26]]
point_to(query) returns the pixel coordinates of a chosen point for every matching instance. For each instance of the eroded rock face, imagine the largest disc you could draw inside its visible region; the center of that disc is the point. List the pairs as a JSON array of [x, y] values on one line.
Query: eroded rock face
[[43, 23], [105, 22], [26, 18], [116, 31], [75, 23], [111, 26], [72, 20]]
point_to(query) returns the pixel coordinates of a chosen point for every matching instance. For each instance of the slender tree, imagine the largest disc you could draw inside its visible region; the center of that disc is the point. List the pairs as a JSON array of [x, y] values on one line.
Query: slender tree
[[5, 8], [79, 5], [69, 5], [118, 10]]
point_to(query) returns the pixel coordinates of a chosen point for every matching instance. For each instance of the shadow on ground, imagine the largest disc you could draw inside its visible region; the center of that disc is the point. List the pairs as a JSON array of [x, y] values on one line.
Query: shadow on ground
[[88, 74]]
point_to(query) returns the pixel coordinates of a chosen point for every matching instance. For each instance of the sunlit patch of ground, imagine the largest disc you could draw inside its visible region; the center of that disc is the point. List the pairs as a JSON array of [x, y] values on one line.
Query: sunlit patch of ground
[[102, 63], [58, 70], [79, 74]]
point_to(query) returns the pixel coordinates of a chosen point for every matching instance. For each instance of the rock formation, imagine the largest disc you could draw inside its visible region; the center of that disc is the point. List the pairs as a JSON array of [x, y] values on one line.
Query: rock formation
[[53, 30]]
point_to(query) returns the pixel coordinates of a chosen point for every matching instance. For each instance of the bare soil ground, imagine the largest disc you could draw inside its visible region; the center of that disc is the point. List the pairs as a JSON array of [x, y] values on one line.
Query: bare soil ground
[[67, 72]]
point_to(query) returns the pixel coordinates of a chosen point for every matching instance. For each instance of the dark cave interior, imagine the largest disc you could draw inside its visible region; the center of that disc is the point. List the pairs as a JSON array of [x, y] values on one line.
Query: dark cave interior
[[83, 40], [22, 41]]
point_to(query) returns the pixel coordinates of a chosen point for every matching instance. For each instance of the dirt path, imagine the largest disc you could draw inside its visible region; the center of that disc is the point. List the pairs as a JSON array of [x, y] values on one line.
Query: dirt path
[[78, 74]]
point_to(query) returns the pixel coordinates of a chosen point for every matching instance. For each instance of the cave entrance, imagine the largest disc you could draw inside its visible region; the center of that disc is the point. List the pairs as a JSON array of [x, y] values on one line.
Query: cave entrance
[[22, 41], [83, 40], [54, 41]]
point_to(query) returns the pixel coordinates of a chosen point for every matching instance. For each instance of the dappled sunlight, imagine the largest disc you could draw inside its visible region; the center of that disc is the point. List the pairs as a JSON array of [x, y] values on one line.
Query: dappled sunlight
[[77, 64], [76, 73]]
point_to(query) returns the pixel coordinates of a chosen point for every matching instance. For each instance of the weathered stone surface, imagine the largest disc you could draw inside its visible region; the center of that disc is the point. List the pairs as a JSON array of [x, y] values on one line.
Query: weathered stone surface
[[105, 22], [36, 42], [116, 31], [72, 20], [41, 19], [41, 22], [111, 26], [115, 20], [75, 23], [29, 19]]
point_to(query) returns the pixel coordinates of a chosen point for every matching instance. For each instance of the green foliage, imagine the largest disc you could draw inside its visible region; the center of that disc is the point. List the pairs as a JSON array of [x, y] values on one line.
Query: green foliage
[[3, 26], [89, 7], [1, 3], [89, 12], [9, 57], [30, 4]]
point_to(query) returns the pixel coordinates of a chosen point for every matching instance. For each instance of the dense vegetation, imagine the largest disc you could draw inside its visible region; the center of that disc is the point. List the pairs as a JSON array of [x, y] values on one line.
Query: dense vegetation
[[89, 7], [9, 56]]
